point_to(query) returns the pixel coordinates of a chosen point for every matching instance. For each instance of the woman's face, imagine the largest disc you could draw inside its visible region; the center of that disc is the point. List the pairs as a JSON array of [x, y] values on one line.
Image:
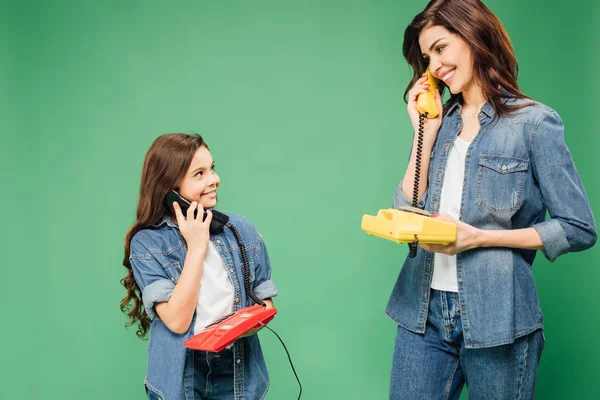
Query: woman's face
[[201, 181], [449, 57]]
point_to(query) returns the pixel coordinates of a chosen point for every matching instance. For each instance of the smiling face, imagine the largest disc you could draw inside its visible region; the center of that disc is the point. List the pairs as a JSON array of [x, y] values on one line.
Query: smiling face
[[200, 182], [449, 58]]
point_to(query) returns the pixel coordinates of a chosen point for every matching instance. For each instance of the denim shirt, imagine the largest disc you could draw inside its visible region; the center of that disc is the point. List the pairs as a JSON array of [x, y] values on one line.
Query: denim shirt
[[157, 258], [517, 168]]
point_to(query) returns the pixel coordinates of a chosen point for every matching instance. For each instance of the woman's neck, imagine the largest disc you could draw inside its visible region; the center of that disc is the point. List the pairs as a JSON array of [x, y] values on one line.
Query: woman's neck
[[473, 99]]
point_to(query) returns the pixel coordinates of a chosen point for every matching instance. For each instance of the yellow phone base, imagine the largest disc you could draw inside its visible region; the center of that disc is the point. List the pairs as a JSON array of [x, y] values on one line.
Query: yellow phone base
[[402, 226]]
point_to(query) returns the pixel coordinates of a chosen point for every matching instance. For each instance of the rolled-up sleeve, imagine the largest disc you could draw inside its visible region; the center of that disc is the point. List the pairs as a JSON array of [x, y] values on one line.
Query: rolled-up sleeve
[[264, 287], [151, 277], [571, 226], [400, 199]]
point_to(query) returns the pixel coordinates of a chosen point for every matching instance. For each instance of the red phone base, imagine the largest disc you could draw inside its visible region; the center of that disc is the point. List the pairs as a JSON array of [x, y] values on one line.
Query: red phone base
[[217, 337]]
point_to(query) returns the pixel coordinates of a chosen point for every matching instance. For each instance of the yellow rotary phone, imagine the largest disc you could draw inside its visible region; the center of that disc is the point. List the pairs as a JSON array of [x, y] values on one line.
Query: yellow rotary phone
[[411, 224]]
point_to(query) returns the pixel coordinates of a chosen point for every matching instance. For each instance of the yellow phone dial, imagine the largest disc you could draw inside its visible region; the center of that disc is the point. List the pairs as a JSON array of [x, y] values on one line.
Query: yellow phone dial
[[411, 224]]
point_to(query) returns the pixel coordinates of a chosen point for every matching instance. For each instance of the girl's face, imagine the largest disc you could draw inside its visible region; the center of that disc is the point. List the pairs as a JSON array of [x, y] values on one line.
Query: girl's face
[[201, 181], [449, 58]]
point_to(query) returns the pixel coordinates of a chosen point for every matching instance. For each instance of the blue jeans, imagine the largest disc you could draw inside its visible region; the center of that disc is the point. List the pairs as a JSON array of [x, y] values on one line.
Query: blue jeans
[[436, 365], [213, 375]]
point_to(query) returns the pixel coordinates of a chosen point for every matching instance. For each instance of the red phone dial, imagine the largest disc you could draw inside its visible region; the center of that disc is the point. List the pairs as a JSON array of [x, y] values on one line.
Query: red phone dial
[[218, 336]]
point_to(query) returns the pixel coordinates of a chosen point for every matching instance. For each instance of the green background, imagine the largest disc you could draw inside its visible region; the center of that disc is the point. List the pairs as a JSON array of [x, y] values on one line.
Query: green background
[[301, 103]]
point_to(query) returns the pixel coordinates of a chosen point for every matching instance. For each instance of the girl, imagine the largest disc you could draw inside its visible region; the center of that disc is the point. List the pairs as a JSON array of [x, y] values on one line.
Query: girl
[[181, 278], [493, 162]]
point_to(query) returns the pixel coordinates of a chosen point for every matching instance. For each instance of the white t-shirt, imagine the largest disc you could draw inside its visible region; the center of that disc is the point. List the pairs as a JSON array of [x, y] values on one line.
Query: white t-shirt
[[444, 267], [215, 297]]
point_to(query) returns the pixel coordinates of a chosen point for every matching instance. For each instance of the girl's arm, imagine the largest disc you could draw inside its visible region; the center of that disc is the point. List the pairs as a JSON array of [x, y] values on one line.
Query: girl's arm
[[177, 313]]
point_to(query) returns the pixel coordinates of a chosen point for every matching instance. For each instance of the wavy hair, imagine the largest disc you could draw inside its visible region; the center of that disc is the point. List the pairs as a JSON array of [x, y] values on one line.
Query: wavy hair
[[165, 165], [494, 63]]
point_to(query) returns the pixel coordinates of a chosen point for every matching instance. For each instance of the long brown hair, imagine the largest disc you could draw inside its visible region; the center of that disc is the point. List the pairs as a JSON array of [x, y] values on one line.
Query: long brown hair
[[164, 167], [494, 61]]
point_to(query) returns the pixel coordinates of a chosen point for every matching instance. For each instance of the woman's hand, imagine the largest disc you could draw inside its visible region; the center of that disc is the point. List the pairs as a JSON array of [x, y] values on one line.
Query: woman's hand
[[467, 237], [430, 125], [195, 231]]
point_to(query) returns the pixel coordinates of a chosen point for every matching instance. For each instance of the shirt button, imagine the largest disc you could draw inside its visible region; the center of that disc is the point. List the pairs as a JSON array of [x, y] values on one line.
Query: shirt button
[[219, 241], [238, 361], [464, 184], [462, 308], [468, 153], [504, 167], [435, 206], [460, 279], [236, 300], [427, 268], [440, 176], [481, 114]]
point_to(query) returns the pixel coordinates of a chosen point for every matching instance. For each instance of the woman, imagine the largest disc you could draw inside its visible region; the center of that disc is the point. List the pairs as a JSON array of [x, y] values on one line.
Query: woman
[[493, 162], [182, 277]]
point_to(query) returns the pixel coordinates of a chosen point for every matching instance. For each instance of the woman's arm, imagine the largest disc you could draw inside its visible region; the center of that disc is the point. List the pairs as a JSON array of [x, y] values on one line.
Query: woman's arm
[[571, 226], [468, 237], [526, 238], [430, 130], [409, 176]]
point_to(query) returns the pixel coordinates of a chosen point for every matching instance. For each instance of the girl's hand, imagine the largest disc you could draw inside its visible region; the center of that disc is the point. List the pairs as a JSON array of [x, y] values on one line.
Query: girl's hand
[[195, 231], [269, 304], [430, 125], [467, 237]]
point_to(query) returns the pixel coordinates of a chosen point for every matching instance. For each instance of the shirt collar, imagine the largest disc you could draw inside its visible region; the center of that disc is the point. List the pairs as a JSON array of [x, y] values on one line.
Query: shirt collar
[[166, 219], [487, 108]]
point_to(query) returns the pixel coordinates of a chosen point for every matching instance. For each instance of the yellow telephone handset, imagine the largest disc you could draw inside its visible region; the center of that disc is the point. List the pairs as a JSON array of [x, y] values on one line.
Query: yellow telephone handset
[[426, 101]]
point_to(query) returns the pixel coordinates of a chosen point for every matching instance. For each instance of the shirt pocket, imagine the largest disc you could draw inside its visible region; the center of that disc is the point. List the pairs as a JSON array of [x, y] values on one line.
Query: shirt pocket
[[173, 270], [500, 182]]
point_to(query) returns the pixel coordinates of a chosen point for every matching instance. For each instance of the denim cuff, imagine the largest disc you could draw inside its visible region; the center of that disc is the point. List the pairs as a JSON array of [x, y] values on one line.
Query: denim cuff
[[156, 292], [401, 200], [265, 290], [553, 237]]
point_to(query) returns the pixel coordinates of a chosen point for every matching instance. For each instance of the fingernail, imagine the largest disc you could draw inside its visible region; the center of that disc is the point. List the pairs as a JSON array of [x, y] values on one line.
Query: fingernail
[[435, 215]]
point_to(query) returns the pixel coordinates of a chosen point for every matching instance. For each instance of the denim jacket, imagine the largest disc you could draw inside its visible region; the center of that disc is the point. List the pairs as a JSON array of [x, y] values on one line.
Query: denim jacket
[[157, 258], [517, 168]]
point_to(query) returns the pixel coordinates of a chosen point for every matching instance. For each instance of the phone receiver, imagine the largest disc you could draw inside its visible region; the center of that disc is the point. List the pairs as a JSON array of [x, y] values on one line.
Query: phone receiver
[[426, 101], [218, 222]]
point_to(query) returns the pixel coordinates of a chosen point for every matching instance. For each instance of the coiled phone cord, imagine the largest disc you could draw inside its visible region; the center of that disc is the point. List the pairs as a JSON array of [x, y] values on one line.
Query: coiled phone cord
[[250, 293], [413, 246]]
